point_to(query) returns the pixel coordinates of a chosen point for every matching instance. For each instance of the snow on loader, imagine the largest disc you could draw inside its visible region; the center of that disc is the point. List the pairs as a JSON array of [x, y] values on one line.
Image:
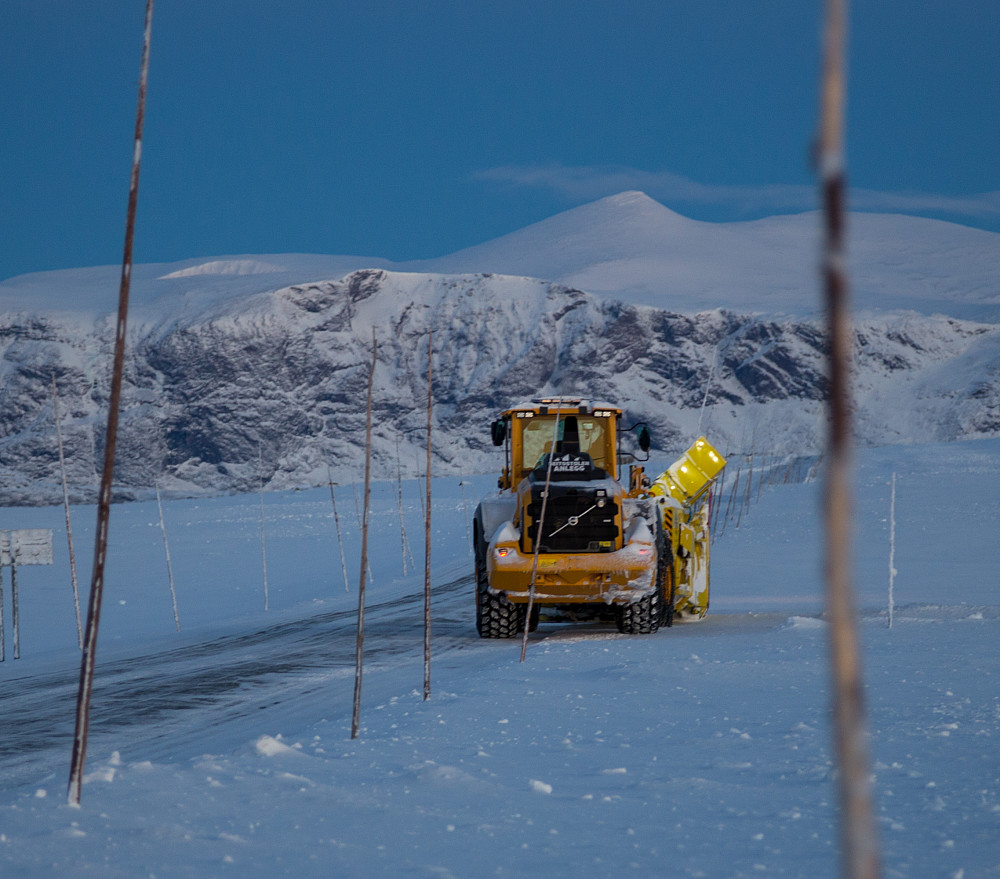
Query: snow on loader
[[566, 534]]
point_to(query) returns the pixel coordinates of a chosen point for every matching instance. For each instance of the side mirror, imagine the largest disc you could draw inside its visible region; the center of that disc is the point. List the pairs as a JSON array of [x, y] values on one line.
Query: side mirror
[[644, 440], [498, 431]]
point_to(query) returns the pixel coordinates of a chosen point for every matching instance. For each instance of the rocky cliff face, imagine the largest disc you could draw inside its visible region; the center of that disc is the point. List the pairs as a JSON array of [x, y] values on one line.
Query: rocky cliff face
[[275, 385]]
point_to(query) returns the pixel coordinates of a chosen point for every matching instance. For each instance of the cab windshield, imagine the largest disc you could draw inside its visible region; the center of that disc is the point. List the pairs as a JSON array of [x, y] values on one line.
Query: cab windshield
[[575, 433]]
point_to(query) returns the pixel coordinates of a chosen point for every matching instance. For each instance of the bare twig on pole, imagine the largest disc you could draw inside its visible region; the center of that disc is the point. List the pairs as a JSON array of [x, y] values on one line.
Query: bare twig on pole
[[170, 567], [69, 525], [427, 525], [359, 653], [104, 500], [858, 835], [336, 521]]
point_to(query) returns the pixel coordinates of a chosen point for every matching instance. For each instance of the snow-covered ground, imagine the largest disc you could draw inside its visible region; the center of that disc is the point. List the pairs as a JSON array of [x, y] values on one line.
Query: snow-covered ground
[[704, 750]]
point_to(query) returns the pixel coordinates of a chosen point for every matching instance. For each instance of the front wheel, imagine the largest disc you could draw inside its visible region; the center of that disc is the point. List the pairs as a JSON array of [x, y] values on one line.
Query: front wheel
[[496, 617]]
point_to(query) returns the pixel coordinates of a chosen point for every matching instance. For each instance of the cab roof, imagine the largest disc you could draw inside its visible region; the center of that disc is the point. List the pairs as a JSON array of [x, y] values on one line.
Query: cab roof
[[569, 405]]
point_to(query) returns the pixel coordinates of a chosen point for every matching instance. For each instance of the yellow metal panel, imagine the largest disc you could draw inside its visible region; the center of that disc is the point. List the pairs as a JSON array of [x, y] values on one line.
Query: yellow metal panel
[[694, 471], [706, 458]]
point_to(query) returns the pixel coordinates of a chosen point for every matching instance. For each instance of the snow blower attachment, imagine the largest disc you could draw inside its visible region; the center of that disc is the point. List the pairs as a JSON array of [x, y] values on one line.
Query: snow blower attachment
[[565, 534]]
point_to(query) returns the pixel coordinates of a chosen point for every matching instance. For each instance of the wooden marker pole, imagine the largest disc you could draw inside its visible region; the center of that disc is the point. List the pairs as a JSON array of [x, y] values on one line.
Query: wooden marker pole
[[427, 525], [104, 498], [69, 524], [859, 846], [360, 649]]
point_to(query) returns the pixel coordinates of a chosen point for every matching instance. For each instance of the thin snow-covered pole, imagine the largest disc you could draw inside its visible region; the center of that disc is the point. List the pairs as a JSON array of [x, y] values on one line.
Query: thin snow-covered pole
[[720, 493], [336, 521], [263, 536], [423, 509], [403, 541], [859, 844], [465, 515], [69, 525], [360, 647], [104, 500], [708, 384], [16, 617], [427, 525], [166, 550], [892, 549], [733, 493], [538, 535]]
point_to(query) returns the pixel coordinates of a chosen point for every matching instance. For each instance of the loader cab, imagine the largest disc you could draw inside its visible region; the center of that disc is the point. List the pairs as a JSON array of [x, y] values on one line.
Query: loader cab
[[583, 436]]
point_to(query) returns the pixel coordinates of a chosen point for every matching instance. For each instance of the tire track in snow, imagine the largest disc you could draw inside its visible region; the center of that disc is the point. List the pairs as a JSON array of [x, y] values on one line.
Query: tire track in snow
[[168, 699]]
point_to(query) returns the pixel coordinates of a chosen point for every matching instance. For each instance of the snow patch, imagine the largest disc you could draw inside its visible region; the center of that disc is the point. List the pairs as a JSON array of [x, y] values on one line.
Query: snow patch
[[105, 773], [806, 623], [270, 746]]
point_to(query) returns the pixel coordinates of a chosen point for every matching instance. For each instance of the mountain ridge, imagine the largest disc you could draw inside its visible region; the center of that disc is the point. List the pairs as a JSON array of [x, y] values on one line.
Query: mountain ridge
[[261, 361], [626, 247], [279, 380]]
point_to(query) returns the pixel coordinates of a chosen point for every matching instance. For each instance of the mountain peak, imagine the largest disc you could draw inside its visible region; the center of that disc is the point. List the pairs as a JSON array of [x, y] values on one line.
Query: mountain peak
[[619, 227], [631, 206]]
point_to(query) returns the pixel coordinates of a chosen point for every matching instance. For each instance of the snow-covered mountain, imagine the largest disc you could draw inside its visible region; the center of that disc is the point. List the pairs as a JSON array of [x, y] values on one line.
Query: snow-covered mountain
[[627, 247], [239, 365]]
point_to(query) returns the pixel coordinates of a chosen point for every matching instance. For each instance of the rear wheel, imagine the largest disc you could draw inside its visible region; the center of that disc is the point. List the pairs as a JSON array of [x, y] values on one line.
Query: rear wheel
[[645, 616], [641, 617]]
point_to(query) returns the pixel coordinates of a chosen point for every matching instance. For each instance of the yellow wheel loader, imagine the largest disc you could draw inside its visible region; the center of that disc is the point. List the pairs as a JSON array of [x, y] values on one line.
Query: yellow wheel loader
[[566, 534]]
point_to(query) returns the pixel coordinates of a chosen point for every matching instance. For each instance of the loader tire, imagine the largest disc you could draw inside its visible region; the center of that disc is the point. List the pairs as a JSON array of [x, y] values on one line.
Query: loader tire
[[645, 616], [496, 617], [642, 617]]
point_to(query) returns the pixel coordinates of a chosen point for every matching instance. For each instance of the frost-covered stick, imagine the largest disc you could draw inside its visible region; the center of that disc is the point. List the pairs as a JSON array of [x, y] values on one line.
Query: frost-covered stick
[[859, 842], [465, 515], [427, 525], [744, 502], [3, 642], [359, 652], [104, 500], [733, 493], [892, 549], [69, 525], [336, 521], [708, 384], [749, 496], [404, 543], [717, 504], [538, 536], [166, 549], [423, 509], [16, 616], [263, 538]]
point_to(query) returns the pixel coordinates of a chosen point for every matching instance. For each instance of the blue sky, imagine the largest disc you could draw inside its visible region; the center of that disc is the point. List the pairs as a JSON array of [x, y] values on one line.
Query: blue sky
[[413, 128]]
